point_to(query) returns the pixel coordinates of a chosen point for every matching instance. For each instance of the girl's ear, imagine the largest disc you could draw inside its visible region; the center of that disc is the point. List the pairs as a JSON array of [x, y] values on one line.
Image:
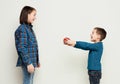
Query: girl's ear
[[28, 18], [28, 15]]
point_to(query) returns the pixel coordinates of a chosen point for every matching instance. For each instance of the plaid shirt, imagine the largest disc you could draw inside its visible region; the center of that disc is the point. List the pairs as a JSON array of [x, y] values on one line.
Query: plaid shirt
[[26, 46]]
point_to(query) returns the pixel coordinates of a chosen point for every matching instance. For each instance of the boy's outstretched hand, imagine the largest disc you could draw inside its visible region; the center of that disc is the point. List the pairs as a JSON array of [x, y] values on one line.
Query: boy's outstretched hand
[[69, 42], [65, 40]]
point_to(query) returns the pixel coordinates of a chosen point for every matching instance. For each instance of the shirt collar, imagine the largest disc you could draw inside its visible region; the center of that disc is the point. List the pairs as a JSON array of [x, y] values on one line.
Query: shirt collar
[[28, 25]]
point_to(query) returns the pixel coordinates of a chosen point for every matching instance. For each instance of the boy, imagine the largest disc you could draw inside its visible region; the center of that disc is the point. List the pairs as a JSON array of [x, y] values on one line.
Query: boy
[[95, 53]]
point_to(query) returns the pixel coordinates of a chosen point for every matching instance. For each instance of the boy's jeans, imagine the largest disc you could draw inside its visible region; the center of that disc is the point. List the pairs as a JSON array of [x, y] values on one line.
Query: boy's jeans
[[94, 76], [27, 77]]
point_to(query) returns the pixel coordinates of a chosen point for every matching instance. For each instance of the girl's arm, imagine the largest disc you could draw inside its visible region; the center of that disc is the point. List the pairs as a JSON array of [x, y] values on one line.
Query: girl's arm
[[22, 45]]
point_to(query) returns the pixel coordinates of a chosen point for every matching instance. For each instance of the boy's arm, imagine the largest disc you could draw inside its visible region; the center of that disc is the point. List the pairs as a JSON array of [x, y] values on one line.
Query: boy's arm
[[22, 46], [82, 45], [85, 45]]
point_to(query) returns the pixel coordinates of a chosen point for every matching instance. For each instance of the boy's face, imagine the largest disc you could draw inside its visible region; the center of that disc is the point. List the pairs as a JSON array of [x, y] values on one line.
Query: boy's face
[[95, 37], [32, 17]]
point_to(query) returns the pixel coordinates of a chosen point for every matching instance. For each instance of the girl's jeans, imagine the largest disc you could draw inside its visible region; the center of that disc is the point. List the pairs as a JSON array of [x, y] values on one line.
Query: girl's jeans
[[94, 76], [27, 77]]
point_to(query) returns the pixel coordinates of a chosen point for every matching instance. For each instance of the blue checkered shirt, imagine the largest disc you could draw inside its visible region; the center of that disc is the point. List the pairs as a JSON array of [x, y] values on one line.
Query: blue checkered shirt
[[26, 46]]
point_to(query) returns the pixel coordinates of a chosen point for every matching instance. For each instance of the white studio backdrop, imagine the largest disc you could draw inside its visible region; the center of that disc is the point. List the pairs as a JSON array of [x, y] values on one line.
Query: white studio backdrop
[[57, 19]]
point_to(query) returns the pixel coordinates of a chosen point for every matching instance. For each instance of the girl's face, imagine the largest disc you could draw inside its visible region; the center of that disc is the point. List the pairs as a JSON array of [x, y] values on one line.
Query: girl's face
[[94, 36], [32, 17]]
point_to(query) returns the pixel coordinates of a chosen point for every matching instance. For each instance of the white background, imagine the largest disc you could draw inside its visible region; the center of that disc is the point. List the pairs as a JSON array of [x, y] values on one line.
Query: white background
[[57, 19]]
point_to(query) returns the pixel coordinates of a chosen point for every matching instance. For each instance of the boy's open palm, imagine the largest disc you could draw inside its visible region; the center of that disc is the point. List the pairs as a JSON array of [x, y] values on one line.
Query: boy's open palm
[[30, 68]]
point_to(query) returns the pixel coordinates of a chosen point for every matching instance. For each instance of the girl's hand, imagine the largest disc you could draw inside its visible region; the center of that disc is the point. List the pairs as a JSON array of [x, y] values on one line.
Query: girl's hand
[[38, 65], [30, 68]]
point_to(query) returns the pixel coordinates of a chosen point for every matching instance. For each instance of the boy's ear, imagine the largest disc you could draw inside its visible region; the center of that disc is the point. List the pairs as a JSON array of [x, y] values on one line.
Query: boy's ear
[[99, 37]]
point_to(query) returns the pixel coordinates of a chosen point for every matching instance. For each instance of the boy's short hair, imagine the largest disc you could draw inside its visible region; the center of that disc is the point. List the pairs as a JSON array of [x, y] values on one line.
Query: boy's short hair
[[101, 32], [24, 14]]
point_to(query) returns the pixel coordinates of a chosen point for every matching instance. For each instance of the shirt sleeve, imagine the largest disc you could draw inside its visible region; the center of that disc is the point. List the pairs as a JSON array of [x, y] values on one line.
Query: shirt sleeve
[[22, 46], [86, 45]]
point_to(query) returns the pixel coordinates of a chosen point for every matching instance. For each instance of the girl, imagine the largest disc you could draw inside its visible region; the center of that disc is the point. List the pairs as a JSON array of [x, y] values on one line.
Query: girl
[[26, 44]]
